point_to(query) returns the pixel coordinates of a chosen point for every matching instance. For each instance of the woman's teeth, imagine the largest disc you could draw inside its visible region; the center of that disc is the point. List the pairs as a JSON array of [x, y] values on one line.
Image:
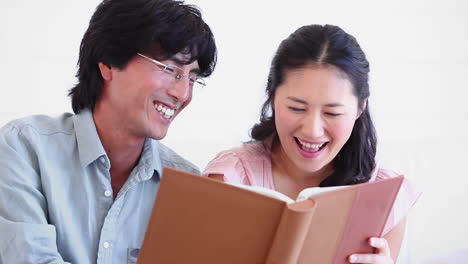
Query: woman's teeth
[[165, 111], [311, 147]]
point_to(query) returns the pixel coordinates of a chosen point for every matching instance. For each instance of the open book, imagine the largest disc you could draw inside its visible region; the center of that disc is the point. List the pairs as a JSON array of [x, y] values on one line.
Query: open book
[[304, 194], [201, 220]]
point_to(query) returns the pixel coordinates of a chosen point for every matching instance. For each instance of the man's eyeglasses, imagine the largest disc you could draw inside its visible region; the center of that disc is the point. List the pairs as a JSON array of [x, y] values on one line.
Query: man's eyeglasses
[[176, 72]]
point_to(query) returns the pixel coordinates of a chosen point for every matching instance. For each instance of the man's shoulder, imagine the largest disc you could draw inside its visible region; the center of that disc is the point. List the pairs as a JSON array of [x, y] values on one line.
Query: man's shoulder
[[172, 159], [40, 124], [37, 140]]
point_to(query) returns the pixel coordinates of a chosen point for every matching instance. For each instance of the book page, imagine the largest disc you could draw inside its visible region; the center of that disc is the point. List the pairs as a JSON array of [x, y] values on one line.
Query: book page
[[310, 192], [267, 192], [304, 194]]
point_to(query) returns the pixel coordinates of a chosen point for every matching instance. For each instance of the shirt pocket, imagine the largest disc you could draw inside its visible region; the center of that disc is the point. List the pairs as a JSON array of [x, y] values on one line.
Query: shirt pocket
[[132, 255]]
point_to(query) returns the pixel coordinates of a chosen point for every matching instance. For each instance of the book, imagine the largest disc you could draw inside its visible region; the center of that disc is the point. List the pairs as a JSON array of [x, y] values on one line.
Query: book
[[196, 219]]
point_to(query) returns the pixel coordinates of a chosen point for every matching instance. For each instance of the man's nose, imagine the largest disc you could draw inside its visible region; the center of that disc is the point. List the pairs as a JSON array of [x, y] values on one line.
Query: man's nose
[[181, 89]]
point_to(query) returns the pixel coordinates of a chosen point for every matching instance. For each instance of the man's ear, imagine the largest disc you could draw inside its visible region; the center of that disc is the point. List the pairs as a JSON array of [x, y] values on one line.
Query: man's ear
[[106, 71], [361, 108]]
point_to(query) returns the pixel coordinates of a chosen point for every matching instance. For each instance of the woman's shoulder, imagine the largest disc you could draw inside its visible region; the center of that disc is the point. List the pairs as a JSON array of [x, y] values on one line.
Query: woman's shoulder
[[405, 200], [408, 190], [238, 163], [249, 151], [380, 173]]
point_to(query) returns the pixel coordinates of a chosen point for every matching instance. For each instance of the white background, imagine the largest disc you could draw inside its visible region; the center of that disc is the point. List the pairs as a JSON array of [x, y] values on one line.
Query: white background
[[419, 70]]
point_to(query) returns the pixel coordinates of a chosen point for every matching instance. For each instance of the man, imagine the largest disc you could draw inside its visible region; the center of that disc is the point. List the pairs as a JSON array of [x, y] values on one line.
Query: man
[[80, 188]]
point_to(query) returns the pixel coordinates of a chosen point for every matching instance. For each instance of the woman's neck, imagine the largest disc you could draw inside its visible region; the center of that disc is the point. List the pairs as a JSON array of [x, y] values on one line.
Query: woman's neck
[[289, 178]]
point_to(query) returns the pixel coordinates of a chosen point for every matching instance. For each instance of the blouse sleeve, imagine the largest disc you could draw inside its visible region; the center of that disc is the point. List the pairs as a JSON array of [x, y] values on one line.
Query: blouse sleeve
[[406, 198], [229, 164]]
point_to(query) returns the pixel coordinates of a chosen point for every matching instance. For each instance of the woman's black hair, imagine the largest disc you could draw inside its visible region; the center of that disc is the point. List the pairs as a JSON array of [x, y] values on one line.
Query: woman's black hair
[[327, 45], [119, 29]]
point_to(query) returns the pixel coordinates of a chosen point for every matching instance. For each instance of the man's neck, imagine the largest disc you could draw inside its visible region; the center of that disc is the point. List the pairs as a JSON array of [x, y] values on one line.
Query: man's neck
[[122, 149]]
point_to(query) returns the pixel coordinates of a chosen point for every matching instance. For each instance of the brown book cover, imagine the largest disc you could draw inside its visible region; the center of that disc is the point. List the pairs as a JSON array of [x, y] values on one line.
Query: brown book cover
[[201, 220]]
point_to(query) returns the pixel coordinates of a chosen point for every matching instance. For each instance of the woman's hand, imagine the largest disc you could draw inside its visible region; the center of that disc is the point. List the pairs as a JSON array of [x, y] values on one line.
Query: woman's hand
[[381, 257]]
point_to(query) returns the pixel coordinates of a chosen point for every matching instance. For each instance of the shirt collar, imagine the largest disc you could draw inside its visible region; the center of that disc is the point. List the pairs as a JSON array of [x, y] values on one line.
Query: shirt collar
[[89, 145], [150, 160]]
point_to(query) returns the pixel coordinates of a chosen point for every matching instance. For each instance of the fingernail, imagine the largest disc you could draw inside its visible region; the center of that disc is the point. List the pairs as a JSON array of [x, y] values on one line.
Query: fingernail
[[352, 258], [374, 241]]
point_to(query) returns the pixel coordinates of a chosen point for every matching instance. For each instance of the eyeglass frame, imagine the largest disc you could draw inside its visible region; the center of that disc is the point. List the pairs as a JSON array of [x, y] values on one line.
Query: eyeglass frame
[[169, 69]]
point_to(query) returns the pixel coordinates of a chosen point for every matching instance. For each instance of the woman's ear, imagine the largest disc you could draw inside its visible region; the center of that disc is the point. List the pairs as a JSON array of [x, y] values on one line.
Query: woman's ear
[[361, 108], [106, 71]]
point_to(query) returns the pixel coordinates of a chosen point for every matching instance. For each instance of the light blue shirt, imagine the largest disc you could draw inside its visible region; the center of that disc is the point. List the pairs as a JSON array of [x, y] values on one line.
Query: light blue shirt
[[56, 200]]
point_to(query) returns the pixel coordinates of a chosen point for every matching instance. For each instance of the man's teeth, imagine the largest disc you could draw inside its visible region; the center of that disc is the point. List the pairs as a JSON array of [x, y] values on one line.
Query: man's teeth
[[166, 111], [311, 146]]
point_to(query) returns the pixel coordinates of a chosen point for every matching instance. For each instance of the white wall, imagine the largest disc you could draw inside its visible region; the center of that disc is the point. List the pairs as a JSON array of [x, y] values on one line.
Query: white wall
[[419, 65]]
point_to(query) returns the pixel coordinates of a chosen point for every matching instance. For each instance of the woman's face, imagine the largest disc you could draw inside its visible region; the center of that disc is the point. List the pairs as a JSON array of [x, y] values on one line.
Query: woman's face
[[315, 111]]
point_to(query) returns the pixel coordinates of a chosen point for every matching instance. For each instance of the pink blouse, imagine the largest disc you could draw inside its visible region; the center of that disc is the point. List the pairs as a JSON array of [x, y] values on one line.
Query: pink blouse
[[250, 164]]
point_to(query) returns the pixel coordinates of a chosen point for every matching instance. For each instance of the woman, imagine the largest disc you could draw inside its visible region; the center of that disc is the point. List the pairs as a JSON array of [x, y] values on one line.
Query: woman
[[315, 129]]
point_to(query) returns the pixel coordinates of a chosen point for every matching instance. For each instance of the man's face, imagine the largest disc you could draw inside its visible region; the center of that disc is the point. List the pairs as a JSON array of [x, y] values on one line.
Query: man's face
[[144, 98]]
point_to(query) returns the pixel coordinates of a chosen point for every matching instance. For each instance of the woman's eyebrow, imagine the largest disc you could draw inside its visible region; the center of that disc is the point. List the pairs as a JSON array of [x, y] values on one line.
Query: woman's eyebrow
[[297, 100], [334, 105]]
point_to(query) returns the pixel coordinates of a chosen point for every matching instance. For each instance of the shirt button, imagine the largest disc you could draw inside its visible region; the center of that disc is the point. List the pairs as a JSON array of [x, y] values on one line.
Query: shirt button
[[106, 245], [107, 193], [102, 160]]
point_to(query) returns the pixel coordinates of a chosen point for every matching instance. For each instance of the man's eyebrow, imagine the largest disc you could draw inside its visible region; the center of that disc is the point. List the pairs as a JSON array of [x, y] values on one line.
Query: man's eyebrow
[[177, 60], [182, 62]]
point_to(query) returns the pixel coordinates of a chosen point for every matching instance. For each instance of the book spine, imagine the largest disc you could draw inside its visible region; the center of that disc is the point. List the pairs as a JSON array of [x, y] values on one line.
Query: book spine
[[291, 232]]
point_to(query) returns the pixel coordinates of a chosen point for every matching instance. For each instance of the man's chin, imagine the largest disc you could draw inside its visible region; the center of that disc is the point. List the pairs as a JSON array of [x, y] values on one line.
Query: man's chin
[[159, 135]]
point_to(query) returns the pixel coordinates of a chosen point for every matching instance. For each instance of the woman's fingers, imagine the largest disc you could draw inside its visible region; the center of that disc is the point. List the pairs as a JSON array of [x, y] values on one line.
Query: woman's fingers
[[370, 258], [381, 257], [381, 244]]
